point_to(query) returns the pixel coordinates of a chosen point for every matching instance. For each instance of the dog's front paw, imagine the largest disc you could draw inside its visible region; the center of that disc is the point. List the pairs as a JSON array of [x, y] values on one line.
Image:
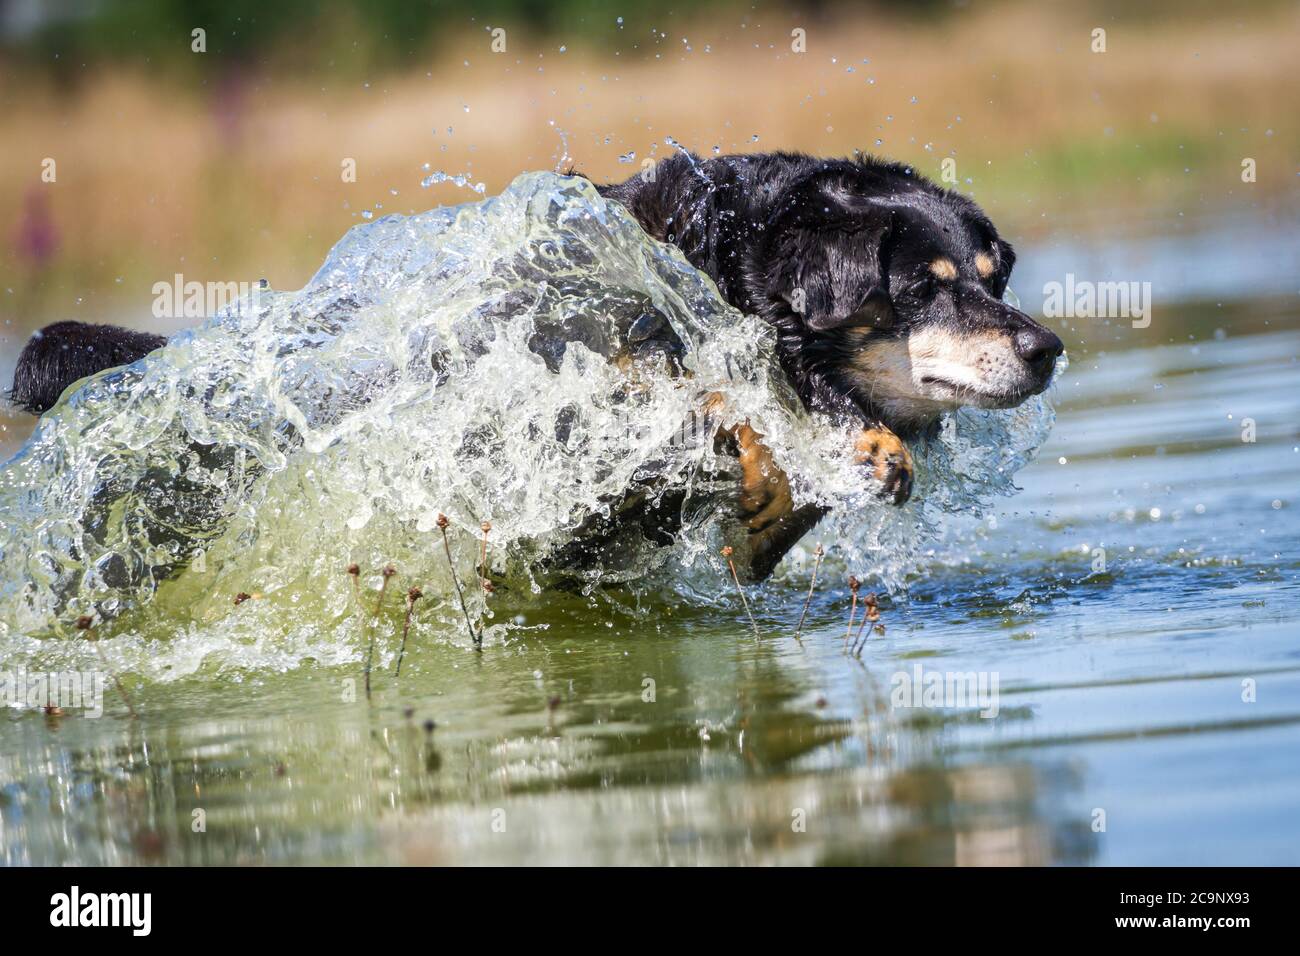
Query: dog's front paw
[[889, 460], [764, 489]]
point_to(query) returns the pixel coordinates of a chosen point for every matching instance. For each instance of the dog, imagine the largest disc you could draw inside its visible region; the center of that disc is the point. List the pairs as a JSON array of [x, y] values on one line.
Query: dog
[[885, 291]]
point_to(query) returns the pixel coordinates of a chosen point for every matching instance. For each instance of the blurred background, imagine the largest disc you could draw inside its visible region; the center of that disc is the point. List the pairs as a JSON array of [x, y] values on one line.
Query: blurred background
[[131, 155]]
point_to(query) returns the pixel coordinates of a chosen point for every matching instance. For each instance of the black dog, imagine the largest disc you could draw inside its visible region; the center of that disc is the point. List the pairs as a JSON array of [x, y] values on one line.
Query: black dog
[[885, 291], [884, 288]]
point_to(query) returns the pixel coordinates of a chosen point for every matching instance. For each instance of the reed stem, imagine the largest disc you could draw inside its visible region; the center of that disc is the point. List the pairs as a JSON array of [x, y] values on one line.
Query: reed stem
[[870, 616], [388, 572], [808, 600], [477, 638], [412, 596], [483, 581], [854, 584], [726, 553]]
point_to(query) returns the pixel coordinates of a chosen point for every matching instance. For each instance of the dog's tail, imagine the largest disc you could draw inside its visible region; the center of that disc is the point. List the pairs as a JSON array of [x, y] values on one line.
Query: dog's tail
[[66, 352]]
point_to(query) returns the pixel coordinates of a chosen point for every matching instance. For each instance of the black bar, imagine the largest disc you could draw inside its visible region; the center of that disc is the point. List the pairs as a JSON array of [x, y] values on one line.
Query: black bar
[[336, 905]]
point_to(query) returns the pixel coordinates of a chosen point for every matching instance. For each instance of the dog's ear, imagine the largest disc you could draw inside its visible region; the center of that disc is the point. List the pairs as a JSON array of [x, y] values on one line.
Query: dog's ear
[[1006, 261], [824, 255]]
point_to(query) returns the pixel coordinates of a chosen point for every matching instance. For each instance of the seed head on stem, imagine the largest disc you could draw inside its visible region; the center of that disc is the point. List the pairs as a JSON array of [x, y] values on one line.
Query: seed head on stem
[[871, 616], [354, 572], [413, 595]]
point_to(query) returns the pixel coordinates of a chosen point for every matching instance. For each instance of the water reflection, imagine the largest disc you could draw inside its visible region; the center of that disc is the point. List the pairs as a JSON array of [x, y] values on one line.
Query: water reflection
[[773, 754]]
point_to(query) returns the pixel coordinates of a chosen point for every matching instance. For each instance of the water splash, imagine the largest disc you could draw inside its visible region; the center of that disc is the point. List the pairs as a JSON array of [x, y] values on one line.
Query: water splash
[[522, 360], [456, 179]]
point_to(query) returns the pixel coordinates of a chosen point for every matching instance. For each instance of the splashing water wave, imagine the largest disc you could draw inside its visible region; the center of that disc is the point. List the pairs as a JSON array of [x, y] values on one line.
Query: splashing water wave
[[494, 361]]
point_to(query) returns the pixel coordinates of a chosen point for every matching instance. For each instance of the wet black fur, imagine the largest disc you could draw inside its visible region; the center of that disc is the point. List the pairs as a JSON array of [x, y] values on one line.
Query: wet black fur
[[67, 352], [857, 236]]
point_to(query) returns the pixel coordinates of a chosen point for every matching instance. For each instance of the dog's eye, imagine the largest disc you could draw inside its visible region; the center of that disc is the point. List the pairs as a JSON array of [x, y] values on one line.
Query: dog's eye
[[871, 318], [922, 286], [877, 312]]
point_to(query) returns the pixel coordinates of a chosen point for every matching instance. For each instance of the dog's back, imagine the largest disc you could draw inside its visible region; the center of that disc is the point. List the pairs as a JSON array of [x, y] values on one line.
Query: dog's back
[[66, 352]]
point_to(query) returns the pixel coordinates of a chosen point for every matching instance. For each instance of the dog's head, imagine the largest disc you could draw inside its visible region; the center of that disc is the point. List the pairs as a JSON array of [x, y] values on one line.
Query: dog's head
[[892, 292]]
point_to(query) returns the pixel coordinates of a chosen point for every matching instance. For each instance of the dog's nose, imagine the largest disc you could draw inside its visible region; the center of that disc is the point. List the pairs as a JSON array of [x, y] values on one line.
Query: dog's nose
[[1038, 346]]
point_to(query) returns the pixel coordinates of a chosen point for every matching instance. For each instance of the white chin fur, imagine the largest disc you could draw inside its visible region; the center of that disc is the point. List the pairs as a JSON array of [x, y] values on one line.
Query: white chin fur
[[945, 388], [934, 371]]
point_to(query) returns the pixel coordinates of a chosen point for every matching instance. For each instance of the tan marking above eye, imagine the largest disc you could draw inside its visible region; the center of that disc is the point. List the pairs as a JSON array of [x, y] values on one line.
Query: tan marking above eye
[[984, 265], [944, 269]]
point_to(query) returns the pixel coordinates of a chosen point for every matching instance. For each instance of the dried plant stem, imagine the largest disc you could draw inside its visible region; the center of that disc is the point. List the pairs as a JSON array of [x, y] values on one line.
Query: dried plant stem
[[477, 638], [482, 560], [84, 623], [808, 600], [412, 596], [726, 553], [858, 641], [854, 584], [354, 572], [388, 572], [870, 616]]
